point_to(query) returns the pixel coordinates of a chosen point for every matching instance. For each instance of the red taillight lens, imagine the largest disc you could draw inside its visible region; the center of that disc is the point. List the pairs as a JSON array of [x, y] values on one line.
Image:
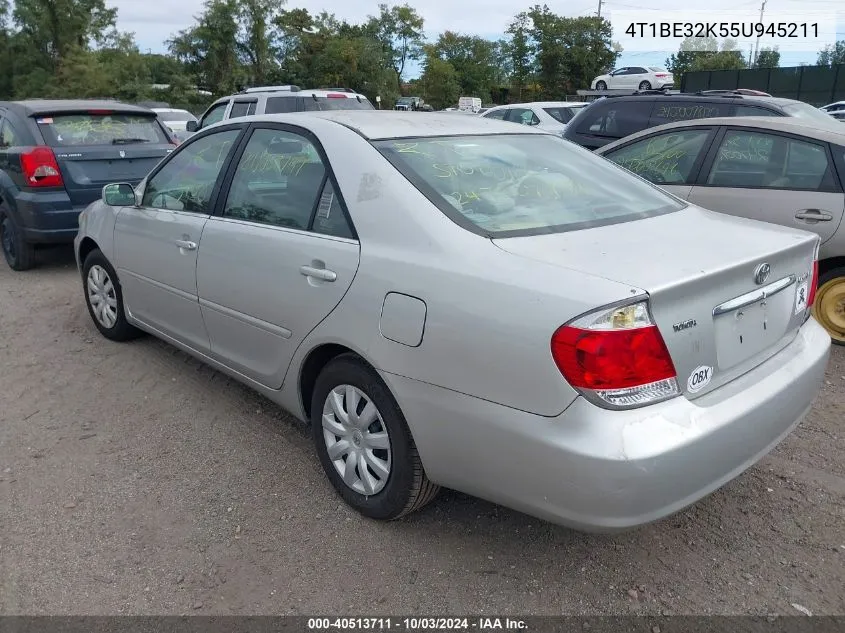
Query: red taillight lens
[[661, 75], [40, 168], [335, 95], [612, 359], [814, 282], [616, 356]]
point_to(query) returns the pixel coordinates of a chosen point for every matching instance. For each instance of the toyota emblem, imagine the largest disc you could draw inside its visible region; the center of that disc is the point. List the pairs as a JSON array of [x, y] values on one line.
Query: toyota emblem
[[122, 154], [761, 273]]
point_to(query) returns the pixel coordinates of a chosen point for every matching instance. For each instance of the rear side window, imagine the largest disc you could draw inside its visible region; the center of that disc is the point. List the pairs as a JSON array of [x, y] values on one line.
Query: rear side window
[[563, 115], [524, 116], [616, 119], [746, 110], [279, 105], [517, 184], [312, 104], [670, 111], [8, 136], [70, 130]]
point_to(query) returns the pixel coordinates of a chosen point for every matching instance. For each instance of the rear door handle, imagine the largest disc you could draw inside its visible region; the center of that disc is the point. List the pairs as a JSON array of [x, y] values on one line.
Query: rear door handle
[[813, 215], [318, 273], [187, 245]]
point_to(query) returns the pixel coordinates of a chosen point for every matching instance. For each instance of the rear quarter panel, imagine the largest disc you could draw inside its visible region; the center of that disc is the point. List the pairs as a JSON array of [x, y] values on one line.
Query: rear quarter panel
[[490, 315]]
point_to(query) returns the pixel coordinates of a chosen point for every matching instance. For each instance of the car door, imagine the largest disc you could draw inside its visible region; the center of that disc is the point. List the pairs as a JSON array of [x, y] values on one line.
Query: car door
[[156, 242], [617, 79], [773, 177], [636, 75], [278, 255], [670, 159]]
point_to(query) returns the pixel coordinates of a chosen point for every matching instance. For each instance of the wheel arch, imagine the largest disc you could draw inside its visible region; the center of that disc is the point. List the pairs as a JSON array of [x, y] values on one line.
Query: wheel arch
[[314, 363], [85, 247], [831, 263]]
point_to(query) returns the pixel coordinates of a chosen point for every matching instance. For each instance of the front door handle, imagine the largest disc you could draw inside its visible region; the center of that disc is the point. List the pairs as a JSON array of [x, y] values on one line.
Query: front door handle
[[813, 215], [187, 245], [318, 273]]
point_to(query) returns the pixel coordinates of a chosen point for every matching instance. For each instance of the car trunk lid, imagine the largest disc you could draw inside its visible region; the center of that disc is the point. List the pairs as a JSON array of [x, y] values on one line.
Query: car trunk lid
[[719, 315], [95, 148]]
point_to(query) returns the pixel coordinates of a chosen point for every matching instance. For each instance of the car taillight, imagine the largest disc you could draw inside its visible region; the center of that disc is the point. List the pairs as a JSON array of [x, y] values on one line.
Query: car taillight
[[661, 75], [814, 282], [40, 168], [616, 356], [335, 95]]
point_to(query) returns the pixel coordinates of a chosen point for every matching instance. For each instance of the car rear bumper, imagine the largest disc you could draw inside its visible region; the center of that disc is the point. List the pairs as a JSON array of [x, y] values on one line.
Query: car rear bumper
[[47, 217], [600, 470]]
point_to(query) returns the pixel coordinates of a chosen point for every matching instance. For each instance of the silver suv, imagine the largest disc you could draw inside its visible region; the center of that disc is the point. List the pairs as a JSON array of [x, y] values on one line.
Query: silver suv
[[280, 99]]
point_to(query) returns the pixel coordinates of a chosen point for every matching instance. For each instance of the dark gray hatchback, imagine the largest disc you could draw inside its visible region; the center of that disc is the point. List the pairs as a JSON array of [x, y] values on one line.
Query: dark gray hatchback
[[55, 157]]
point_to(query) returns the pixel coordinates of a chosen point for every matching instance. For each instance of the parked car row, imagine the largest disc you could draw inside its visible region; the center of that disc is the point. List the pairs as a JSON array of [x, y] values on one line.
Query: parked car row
[[459, 302]]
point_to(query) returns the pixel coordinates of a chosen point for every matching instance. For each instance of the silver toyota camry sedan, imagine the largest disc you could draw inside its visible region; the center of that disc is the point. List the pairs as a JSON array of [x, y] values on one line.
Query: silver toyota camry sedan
[[452, 302]]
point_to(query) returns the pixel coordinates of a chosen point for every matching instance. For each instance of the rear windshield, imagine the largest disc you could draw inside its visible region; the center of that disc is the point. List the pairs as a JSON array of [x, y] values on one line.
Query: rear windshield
[[562, 114], [657, 69], [337, 103], [810, 114], [520, 184], [69, 130], [178, 115]]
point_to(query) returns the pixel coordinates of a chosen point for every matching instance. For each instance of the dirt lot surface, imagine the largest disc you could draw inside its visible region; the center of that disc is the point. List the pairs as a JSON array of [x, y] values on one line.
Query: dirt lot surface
[[135, 480]]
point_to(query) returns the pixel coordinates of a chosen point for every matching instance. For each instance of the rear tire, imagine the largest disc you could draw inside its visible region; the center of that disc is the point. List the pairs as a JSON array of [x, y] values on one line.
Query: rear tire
[[600, 85], [104, 298], [645, 85], [19, 254], [829, 305], [393, 482]]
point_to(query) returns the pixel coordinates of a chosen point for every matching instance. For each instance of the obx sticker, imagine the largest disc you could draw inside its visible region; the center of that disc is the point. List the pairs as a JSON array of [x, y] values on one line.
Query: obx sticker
[[699, 378]]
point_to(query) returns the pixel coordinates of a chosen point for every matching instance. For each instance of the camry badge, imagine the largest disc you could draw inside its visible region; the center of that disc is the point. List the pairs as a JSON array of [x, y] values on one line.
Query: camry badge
[[761, 273]]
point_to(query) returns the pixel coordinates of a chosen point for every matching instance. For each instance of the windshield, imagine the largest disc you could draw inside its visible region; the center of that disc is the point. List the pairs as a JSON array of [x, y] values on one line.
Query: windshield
[[657, 69], [337, 103], [67, 130], [562, 114], [516, 184], [177, 115], [808, 113]]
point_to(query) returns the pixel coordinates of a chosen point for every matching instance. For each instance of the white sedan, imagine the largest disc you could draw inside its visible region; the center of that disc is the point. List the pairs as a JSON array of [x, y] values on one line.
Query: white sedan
[[635, 78], [551, 116]]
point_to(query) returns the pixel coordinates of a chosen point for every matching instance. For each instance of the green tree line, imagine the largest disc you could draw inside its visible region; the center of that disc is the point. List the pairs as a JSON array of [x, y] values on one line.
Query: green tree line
[[73, 49]]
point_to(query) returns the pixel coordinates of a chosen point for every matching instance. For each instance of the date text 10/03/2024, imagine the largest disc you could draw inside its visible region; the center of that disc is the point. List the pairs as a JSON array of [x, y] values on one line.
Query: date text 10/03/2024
[[417, 624]]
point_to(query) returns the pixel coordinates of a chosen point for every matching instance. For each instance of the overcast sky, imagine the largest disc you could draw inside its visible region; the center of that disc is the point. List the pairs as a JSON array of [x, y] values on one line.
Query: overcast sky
[[154, 21]]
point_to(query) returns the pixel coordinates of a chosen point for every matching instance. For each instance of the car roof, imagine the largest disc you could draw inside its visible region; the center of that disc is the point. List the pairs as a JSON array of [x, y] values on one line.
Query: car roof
[[542, 104], [776, 124], [690, 96], [32, 107], [169, 110], [386, 124]]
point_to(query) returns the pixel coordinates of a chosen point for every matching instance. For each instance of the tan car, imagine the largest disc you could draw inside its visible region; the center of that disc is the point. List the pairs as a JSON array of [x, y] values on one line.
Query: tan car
[[781, 170]]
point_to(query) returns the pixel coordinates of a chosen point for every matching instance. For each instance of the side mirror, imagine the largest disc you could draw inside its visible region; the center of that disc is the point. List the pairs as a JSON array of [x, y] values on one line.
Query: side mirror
[[192, 126], [120, 194]]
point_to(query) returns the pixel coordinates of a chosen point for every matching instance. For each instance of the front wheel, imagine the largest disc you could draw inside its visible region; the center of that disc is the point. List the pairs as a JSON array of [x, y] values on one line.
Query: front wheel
[[600, 85], [829, 305], [364, 444], [104, 298]]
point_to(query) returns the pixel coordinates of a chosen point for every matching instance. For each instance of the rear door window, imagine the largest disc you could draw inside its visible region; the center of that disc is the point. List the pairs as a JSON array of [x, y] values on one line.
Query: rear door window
[[242, 108], [88, 128], [523, 116], [759, 159], [671, 111], [617, 119]]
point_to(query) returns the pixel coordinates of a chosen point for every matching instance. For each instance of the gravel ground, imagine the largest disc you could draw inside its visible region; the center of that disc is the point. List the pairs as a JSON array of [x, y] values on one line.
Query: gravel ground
[[135, 480]]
